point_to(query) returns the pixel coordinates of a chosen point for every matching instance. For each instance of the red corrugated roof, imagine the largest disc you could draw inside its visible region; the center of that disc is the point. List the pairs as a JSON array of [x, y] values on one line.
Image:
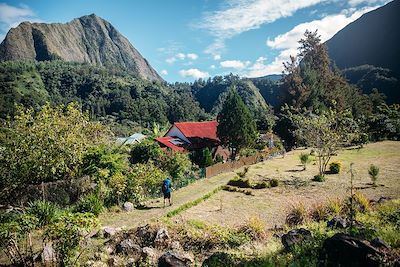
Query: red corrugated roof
[[166, 141], [204, 130]]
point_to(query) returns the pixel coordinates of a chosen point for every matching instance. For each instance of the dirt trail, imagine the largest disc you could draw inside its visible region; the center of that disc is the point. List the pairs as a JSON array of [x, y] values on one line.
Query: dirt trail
[[155, 207]]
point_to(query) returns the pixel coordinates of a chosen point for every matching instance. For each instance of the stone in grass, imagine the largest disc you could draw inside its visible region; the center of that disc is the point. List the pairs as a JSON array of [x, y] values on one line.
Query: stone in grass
[[128, 206], [162, 238], [175, 259], [48, 255], [338, 222], [128, 247], [379, 243], [295, 236], [110, 231], [345, 250]]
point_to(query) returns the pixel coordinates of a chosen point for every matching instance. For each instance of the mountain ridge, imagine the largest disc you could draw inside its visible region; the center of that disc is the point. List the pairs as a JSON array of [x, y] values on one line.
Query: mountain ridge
[[87, 39]]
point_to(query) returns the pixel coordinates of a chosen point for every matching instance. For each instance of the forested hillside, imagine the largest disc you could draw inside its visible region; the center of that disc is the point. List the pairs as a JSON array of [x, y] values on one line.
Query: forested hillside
[[107, 94]]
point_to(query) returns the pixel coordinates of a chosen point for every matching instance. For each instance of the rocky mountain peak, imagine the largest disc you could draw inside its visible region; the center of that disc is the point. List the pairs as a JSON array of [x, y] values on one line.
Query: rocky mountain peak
[[89, 39]]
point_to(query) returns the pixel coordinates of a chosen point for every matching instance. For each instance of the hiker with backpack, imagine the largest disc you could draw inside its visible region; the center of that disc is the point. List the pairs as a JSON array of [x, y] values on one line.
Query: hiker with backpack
[[166, 190]]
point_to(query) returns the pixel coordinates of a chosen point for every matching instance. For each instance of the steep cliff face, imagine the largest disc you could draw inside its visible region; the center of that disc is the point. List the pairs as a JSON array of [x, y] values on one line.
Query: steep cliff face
[[89, 39], [373, 39]]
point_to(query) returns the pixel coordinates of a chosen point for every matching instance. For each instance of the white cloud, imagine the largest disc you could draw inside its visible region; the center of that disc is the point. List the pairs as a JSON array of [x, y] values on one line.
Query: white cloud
[[192, 56], [368, 2], [170, 60], [327, 27], [212, 67], [234, 64], [181, 56], [12, 16], [240, 16], [164, 72], [217, 57], [195, 73], [287, 43]]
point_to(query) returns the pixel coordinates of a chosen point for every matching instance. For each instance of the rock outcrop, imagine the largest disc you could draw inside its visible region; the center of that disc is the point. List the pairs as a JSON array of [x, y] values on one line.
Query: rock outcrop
[[88, 39]]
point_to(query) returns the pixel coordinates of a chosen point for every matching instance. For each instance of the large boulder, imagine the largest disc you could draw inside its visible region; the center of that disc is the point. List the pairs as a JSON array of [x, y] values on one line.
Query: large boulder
[[110, 231], [345, 250], [128, 247], [128, 206], [175, 259], [162, 238], [379, 243], [295, 236]]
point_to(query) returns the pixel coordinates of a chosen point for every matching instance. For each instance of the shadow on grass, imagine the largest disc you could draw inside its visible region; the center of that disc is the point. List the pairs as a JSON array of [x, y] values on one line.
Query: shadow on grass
[[145, 207], [294, 170], [368, 185]]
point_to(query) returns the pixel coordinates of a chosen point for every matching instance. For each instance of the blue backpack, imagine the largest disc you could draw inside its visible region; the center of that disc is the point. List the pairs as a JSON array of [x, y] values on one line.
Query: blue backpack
[[165, 186]]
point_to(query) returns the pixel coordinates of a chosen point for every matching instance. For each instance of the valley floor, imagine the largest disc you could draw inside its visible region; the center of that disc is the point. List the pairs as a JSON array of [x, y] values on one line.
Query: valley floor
[[272, 204]]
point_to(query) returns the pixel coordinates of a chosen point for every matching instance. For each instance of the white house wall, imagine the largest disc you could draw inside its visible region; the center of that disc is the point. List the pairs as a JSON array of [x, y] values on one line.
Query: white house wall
[[174, 131]]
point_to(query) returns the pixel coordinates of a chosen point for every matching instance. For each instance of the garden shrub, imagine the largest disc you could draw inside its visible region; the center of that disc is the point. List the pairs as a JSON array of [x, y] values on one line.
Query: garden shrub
[[45, 211], [297, 215], [274, 182], [207, 158], [304, 159], [319, 212], [319, 178], [90, 203], [179, 166], [144, 181], [118, 183], [335, 167], [334, 207], [239, 182], [255, 228], [103, 161], [361, 202], [243, 173], [373, 172], [67, 234]]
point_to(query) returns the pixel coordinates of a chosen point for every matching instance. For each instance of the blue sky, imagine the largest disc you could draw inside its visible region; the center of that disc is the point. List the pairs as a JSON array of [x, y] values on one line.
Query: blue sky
[[189, 39]]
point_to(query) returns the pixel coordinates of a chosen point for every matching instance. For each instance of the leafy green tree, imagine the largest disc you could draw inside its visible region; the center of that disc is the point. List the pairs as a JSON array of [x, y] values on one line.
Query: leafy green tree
[[236, 128], [143, 181], [311, 82], [47, 145], [325, 132], [145, 151]]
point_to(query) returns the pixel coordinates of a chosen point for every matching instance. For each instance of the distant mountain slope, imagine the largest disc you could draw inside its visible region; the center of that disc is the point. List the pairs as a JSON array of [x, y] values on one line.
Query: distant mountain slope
[[89, 39], [212, 93], [373, 39], [368, 77]]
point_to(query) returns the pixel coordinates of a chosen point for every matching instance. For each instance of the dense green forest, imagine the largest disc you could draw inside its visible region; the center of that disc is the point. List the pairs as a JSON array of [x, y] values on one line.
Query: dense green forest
[[110, 95], [119, 99]]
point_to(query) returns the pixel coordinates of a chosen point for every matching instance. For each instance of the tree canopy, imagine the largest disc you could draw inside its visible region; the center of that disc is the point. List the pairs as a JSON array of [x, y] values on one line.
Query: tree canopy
[[46, 145], [236, 128]]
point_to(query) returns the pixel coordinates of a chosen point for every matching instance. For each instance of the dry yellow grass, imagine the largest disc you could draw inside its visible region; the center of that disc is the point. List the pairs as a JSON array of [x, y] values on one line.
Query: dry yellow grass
[[272, 205]]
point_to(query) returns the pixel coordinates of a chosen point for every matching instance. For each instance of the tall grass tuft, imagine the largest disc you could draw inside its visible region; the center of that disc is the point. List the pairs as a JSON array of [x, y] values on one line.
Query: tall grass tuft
[[46, 212]]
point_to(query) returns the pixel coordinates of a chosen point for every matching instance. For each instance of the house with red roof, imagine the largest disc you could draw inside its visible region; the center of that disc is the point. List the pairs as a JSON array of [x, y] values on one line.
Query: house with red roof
[[191, 136]]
